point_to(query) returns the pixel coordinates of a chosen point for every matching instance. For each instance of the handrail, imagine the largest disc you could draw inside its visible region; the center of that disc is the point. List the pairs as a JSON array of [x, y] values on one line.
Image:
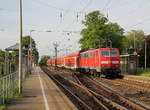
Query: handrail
[[8, 83]]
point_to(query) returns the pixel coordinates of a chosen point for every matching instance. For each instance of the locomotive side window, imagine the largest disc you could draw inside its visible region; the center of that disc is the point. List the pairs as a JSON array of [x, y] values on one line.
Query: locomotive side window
[[90, 54]]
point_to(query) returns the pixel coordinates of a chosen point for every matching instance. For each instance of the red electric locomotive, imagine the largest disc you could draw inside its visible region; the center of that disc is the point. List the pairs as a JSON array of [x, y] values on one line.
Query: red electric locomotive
[[99, 61]]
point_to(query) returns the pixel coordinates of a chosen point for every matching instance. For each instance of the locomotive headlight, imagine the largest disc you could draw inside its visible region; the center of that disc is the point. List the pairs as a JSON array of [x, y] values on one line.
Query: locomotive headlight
[[104, 62], [115, 62]]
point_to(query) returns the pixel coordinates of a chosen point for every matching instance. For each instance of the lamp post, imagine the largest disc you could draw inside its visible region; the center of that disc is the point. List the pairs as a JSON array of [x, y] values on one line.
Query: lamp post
[[20, 51], [31, 49]]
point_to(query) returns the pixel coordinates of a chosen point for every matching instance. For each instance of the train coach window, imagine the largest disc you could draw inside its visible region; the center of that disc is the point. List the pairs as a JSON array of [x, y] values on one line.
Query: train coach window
[[86, 55], [82, 55]]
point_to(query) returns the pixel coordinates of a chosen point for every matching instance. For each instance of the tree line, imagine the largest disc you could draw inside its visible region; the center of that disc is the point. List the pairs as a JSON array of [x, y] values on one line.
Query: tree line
[[99, 32]]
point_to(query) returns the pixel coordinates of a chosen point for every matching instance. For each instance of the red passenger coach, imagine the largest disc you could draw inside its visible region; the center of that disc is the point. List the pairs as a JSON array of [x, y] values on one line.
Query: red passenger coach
[[49, 62], [71, 61]]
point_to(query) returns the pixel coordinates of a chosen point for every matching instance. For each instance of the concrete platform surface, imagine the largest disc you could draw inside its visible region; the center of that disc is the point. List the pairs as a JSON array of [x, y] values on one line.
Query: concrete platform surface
[[41, 93]]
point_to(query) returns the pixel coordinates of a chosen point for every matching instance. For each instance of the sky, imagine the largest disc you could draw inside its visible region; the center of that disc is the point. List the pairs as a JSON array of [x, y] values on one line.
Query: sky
[[56, 20]]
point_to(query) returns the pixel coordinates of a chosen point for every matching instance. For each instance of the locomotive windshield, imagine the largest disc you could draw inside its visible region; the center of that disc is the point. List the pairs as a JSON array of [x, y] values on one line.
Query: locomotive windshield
[[109, 53]]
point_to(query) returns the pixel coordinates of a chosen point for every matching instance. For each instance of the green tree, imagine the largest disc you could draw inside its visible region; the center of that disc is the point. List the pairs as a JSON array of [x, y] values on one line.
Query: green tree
[[134, 39], [44, 60], [99, 32], [2, 60], [2, 56], [142, 53], [26, 45]]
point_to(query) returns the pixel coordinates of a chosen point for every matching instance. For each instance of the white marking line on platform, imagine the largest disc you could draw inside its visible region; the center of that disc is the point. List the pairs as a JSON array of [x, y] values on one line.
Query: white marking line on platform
[[43, 92]]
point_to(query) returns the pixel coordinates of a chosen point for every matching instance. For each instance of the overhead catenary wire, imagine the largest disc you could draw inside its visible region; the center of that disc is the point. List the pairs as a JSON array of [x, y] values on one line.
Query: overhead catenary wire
[[141, 22], [62, 12], [48, 5], [89, 3], [106, 5], [53, 7], [76, 17], [65, 14]]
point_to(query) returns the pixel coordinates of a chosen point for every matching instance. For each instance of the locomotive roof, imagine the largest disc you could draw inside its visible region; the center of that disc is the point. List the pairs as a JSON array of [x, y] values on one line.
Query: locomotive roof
[[92, 50]]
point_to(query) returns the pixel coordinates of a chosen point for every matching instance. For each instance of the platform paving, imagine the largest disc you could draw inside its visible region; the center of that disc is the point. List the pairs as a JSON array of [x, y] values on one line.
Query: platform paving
[[41, 93]]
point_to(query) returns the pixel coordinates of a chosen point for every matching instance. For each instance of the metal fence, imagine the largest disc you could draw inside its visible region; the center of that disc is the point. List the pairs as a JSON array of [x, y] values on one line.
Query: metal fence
[[9, 83], [8, 87]]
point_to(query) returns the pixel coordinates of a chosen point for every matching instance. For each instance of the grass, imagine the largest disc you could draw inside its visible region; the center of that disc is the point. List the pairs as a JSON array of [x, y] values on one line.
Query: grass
[[8, 100], [145, 73], [19, 95], [3, 107]]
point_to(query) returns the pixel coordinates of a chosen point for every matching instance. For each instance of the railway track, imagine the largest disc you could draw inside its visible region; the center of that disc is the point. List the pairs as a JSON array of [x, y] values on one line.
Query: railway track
[[100, 95], [130, 83], [140, 79], [80, 97], [114, 98]]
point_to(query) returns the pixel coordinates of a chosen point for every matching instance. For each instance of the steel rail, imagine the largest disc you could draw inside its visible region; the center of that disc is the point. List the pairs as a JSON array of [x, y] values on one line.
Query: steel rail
[[81, 86], [144, 81], [99, 97], [126, 103], [122, 99], [68, 91], [104, 101], [131, 84]]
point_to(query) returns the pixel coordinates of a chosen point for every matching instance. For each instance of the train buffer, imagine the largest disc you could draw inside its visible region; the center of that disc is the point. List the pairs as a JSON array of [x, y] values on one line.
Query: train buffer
[[41, 93]]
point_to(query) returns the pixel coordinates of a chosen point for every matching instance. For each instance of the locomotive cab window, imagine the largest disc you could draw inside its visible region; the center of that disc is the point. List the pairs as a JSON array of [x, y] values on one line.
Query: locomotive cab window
[[105, 53], [109, 53], [113, 53]]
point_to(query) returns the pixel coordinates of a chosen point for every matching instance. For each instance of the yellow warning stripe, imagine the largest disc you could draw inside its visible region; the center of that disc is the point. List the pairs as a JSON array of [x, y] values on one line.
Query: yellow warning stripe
[[69, 57]]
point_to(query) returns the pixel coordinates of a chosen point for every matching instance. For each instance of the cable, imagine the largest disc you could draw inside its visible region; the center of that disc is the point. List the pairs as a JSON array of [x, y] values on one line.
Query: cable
[[141, 22], [108, 2], [51, 6], [69, 8], [80, 11]]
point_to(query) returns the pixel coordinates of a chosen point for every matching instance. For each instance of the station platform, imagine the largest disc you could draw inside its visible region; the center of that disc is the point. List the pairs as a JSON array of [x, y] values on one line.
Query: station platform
[[41, 93]]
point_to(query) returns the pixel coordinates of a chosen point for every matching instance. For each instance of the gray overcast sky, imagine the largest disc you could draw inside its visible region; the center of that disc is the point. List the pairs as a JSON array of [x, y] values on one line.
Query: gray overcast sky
[[43, 15]]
